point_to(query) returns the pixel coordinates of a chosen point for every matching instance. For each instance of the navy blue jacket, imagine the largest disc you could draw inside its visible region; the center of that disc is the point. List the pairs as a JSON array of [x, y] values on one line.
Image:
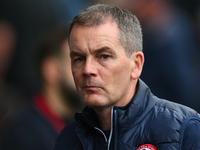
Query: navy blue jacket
[[145, 120]]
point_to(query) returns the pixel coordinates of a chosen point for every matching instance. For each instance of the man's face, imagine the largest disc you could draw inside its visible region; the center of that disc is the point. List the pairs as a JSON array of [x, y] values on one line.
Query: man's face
[[101, 69]]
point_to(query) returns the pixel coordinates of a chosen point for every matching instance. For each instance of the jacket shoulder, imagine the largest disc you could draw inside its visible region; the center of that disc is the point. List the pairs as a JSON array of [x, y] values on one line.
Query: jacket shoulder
[[165, 122], [174, 109]]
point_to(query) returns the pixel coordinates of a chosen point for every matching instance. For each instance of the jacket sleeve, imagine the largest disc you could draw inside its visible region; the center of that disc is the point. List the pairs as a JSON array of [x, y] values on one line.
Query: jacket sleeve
[[190, 134]]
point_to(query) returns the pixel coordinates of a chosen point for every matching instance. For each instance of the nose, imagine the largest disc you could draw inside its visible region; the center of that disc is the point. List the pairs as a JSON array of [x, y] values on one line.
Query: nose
[[90, 67]]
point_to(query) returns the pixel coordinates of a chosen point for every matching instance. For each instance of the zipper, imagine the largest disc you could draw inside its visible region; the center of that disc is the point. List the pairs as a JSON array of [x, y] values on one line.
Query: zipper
[[111, 132], [115, 131]]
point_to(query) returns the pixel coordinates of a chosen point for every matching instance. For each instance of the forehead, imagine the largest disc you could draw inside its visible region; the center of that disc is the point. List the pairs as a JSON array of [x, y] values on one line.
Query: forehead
[[107, 33]]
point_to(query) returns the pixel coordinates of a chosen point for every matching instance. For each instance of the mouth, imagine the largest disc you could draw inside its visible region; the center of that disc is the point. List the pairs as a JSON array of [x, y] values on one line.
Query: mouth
[[91, 88]]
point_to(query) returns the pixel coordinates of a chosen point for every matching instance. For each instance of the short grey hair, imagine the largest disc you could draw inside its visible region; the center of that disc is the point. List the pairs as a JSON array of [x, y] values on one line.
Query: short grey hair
[[128, 24]]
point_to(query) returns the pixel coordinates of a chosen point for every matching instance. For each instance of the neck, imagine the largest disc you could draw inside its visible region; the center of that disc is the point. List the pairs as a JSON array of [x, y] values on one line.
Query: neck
[[104, 114], [104, 118]]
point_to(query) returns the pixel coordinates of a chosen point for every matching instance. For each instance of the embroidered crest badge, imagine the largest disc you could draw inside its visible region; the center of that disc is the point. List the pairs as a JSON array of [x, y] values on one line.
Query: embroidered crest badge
[[147, 147]]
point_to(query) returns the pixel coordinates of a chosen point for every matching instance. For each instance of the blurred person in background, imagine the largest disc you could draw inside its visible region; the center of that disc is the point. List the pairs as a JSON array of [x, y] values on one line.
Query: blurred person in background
[[172, 67], [11, 98], [38, 126], [29, 19]]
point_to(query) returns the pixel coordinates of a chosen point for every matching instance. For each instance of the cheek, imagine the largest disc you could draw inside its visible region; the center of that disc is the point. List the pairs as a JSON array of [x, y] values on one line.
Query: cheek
[[119, 78], [120, 72], [76, 77]]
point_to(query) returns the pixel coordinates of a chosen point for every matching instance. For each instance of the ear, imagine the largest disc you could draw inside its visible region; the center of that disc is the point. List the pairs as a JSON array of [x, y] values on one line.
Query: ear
[[137, 64]]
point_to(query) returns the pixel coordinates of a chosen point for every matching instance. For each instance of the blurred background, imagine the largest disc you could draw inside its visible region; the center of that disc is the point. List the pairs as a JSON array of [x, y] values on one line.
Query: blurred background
[[171, 31]]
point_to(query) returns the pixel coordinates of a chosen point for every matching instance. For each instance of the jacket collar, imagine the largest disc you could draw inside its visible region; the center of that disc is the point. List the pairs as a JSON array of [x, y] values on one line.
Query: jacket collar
[[139, 106], [88, 116]]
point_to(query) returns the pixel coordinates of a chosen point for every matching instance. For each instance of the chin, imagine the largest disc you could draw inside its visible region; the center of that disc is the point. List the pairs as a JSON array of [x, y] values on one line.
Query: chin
[[95, 103], [94, 99]]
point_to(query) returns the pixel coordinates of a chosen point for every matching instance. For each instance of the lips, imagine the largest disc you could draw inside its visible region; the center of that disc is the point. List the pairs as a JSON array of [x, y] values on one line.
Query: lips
[[89, 85], [91, 88]]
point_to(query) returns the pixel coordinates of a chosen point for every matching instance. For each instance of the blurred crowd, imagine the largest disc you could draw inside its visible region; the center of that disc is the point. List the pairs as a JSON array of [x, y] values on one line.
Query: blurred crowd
[[37, 92]]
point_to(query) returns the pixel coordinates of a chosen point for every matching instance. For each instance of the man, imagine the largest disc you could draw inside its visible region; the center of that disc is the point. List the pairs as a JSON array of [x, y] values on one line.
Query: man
[[39, 125], [121, 113]]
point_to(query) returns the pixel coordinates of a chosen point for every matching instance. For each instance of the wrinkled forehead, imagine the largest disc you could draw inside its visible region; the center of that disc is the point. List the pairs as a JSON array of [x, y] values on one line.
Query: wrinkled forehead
[[107, 28]]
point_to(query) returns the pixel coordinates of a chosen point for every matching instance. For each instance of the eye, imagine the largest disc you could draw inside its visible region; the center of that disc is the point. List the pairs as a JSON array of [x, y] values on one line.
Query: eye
[[79, 59], [105, 56]]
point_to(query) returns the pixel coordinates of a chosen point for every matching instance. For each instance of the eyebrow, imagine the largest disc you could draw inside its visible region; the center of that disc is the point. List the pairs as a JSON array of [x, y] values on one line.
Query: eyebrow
[[104, 49], [75, 53], [96, 51]]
